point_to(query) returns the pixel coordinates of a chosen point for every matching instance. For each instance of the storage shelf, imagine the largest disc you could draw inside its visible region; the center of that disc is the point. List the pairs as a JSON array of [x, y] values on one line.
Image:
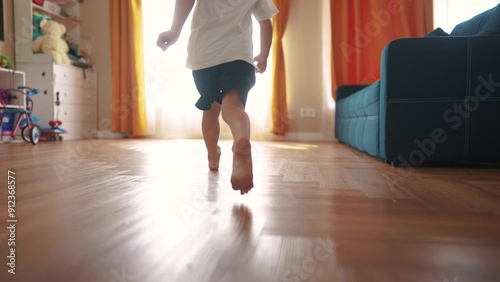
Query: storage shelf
[[11, 79], [23, 14], [67, 21], [68, 4], [13, 107], [67, 93]]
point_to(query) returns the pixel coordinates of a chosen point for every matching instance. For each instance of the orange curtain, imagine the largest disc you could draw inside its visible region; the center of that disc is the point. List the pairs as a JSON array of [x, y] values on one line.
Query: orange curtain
[[128, 113], [362, 28], [280, 124]]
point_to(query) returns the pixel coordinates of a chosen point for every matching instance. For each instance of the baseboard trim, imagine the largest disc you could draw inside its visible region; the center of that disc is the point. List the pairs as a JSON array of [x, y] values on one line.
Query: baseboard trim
[[297, 136], [111, 135]]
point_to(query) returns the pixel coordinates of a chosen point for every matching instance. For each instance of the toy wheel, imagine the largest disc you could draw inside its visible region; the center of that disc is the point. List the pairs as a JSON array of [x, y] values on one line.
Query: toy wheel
[[35, 134], [60, 138], [25, 134]]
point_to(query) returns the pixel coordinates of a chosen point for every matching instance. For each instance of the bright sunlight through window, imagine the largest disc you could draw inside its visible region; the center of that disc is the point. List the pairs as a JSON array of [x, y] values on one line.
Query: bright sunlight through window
[[170, 89], [449, 13]]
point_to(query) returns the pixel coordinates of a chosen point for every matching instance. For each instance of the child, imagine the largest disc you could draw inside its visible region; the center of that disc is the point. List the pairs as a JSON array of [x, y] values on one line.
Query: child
[[220, 53]]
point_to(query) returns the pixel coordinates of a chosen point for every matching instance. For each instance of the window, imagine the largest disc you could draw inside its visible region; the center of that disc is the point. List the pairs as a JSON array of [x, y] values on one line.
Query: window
[[170, 90], [449, 13]]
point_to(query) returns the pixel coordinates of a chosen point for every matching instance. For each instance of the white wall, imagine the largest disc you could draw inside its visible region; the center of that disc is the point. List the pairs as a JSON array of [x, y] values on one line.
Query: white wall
[[95, 28], [307, 46]]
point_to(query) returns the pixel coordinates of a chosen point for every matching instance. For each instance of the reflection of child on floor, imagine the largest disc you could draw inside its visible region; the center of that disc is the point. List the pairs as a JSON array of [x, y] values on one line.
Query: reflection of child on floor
[[220, 53]]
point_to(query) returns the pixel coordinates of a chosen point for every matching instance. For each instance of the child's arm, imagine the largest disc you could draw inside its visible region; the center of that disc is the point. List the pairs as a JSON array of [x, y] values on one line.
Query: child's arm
[[266, 39], [169, 37]]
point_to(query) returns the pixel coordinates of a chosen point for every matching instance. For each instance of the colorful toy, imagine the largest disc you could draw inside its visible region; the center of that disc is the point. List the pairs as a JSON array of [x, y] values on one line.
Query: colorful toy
[[30, 132], [54, 132], [38, 17], [51, 42], [5, 62]]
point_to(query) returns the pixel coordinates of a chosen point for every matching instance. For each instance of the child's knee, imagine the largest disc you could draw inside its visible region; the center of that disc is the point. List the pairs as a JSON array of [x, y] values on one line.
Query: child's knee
[[232, 98]]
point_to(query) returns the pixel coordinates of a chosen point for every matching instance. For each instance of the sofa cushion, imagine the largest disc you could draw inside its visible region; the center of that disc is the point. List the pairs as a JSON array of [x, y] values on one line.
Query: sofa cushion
[[358, 119], [486, 23], [437, 32], [492, 26]]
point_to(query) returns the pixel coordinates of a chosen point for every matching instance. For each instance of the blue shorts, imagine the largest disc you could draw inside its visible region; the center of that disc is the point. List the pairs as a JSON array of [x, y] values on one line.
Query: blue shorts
[[212, 82]]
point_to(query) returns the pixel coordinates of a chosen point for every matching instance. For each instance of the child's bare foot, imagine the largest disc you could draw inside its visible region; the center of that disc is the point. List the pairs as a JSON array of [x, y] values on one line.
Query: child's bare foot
[[242, 176], [213, 159]]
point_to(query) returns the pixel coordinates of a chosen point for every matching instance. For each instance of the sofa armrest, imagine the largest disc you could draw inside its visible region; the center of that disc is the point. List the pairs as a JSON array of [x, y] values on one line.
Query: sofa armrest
[[426, 84], [421, 68], [344, 91]]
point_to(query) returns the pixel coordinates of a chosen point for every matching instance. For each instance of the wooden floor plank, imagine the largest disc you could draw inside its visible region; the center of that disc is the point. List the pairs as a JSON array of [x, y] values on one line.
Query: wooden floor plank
[[150, 210], [333, 177], [489, 186], [375, 185], [447, 194]]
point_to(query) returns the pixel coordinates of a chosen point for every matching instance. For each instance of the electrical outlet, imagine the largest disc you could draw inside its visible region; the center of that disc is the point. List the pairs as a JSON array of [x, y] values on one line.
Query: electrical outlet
[[307, 113]]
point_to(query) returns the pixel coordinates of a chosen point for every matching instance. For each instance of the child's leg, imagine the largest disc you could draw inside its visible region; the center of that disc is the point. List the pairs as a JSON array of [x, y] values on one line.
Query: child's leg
[[211, 130], [233, 113]]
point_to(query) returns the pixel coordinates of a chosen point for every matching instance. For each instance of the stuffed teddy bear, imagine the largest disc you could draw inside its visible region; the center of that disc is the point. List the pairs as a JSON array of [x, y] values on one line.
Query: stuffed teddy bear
[[51, 42]]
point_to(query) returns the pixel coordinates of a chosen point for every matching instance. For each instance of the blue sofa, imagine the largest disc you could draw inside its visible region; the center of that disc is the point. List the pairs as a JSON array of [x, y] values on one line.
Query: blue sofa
[[437, 100]]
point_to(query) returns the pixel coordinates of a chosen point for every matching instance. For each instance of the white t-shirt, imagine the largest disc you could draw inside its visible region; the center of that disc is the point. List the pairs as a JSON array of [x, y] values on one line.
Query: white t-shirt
[[221, 31]]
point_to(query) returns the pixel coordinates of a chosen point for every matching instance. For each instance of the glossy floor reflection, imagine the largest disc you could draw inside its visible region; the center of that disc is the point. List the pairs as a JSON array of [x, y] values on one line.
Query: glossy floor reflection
[[150, 210]]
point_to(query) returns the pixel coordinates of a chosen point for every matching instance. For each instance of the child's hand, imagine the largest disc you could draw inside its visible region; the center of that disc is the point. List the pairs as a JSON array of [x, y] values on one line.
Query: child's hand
[[261, 64], [167, 39]]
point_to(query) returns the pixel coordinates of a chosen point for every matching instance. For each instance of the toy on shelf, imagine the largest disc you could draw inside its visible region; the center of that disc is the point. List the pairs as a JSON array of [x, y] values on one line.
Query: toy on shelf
[[39, 16], [54, 132], [39, 2], [30, 132], [51, 42], [5, 62]]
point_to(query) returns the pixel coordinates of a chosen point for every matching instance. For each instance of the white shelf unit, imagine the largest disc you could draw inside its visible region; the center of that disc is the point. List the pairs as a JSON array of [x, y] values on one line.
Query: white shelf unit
[[67, 93], [23, 27], [11, 79]]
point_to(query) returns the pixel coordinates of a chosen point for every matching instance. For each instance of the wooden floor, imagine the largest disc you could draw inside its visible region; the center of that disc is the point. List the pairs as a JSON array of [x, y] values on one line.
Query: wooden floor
[[151, 211]]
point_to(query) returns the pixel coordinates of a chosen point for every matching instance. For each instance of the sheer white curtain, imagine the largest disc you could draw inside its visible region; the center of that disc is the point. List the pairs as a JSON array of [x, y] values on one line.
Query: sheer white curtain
[[449, 13], [170, 89]]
